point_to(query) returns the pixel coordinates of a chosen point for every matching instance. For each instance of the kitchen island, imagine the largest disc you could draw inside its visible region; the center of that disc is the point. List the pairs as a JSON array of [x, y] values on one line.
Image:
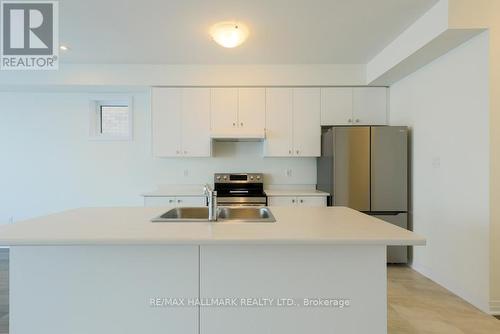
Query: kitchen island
[[110, 270]]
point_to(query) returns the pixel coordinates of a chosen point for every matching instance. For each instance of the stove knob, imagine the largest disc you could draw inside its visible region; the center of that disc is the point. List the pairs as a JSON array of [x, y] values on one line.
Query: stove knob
[[258, 177], [225, 177], [218, 178], [251, 178]]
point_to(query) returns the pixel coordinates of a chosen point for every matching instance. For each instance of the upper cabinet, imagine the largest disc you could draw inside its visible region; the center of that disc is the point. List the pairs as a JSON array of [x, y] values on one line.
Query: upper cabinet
[[279, 123], [336, 106], [293, 122], [165, 119], [238, 110], [195, 126], [306, 122], [224, 109], [369, 106], [185, 119], [181, 122], [353, 106], [252, 109]]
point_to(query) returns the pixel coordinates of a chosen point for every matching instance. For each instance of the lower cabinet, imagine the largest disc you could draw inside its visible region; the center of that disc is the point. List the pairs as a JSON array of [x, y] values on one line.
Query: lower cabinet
[[152, 201], [196, 201], [311, 201]]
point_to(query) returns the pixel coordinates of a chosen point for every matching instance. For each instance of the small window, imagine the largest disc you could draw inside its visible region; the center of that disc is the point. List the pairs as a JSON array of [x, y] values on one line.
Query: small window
[[114, 120], [111, 120]]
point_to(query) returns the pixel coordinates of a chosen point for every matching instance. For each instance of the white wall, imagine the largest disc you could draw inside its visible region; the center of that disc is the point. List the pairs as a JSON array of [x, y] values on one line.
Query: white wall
[[446, 105], [70, 76], [48, 163], [481, 14]]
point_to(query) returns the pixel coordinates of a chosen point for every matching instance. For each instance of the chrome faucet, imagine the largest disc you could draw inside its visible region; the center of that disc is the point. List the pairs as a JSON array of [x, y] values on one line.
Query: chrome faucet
[[212, 202]]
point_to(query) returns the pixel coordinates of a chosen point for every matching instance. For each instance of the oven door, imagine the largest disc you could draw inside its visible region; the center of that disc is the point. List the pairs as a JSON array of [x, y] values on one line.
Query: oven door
[[242, 201]]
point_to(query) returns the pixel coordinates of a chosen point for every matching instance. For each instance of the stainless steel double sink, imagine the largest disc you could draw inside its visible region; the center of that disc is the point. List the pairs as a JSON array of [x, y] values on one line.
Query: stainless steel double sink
[[224, 214]]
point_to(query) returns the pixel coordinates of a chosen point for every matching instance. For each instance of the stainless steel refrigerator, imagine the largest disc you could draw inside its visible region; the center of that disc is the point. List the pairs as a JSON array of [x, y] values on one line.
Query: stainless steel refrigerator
[[366, 168]]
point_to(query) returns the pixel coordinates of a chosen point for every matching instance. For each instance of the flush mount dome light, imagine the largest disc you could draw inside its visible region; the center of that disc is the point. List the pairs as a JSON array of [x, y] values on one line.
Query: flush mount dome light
[[229, 34]]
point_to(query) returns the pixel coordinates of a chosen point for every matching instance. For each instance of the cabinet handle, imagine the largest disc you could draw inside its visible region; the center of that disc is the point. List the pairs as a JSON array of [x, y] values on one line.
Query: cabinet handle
[[289, 151], [357, 120], [178, 201], [293, 201], [171, 201], [234, 123], [349, 120], [177, 152], [241, 123], [301, 201], [297, 151]]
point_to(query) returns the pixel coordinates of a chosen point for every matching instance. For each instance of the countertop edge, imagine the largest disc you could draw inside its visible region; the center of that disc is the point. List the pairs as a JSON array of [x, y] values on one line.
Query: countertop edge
[[235, 242]]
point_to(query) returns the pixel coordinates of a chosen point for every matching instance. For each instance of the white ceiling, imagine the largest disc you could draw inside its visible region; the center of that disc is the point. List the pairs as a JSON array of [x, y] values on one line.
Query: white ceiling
[[281, 31]]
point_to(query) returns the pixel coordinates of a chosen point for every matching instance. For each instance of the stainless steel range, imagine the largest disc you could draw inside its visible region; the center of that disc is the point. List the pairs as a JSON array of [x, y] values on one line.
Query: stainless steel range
[[240, 189]]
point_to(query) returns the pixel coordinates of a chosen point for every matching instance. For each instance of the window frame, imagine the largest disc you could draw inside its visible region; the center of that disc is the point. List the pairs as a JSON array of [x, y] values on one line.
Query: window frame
[[95, 117]]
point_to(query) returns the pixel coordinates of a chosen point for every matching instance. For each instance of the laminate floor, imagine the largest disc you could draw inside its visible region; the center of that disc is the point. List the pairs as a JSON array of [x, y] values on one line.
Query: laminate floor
[[416, 305]]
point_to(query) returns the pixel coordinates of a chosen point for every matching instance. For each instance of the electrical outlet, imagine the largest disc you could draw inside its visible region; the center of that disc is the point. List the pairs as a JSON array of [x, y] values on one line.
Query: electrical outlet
[[288, 172], [11, 220]]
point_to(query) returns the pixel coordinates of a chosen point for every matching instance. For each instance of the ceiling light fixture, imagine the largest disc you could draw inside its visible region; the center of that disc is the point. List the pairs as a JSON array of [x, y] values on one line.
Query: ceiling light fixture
[[229, 34]]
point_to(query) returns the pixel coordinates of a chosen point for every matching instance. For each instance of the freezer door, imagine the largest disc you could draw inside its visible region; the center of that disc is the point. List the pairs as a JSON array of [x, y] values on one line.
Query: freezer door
[[389, 168], [351, 167], [396, 254]]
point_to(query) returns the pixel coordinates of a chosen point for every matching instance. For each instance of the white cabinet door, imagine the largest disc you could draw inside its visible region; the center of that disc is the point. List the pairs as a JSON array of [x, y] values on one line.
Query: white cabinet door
[[282, 201], [196, 122], [153, 201], [306, 122], [336, 106], [191, 201], [251, 109], [166, 121], [312, 201], [224, 109], [370, 106], [279, 120]]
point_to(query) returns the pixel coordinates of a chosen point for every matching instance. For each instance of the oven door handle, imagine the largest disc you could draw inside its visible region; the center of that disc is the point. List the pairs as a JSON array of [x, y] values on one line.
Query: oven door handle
[[238, 191], [242, 204]]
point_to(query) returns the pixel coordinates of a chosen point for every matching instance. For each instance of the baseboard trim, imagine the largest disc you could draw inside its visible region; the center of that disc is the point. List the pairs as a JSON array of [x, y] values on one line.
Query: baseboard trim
[[495, 307]]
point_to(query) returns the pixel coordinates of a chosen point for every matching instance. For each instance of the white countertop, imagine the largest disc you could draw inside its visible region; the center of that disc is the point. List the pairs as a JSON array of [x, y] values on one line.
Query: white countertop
[[132, 226], [195, 190]]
